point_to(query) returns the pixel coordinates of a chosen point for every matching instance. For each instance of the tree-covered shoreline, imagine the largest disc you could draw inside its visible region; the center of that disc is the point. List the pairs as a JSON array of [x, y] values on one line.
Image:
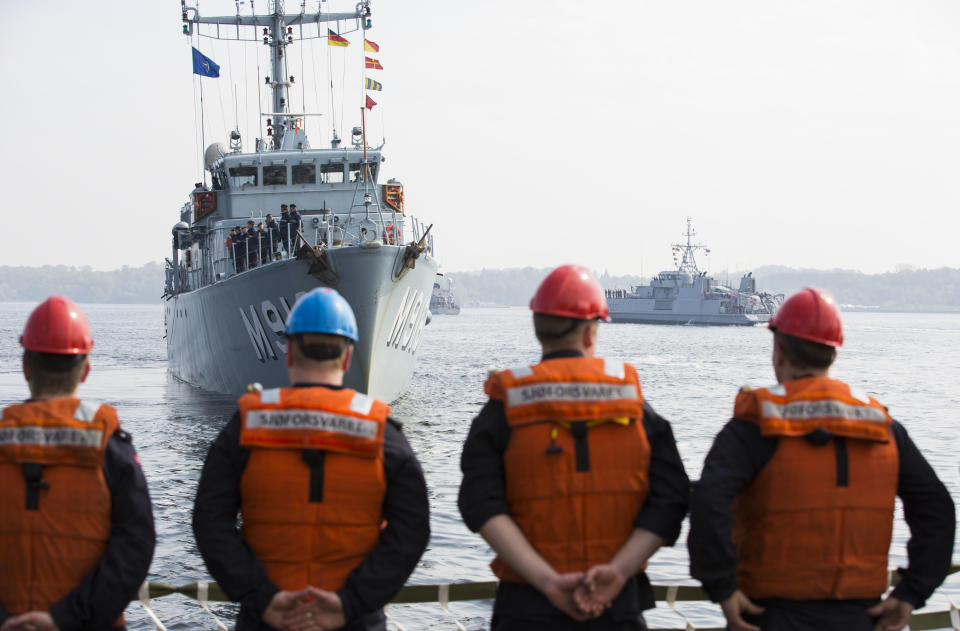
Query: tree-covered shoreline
[[911, 290]]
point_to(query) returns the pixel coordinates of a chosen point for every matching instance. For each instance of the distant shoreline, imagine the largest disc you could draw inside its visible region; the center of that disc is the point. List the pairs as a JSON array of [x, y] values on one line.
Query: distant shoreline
[[905, 291]]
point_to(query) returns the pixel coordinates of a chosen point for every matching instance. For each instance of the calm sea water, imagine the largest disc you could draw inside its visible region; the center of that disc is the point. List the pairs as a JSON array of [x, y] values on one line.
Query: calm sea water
[[689, 374]]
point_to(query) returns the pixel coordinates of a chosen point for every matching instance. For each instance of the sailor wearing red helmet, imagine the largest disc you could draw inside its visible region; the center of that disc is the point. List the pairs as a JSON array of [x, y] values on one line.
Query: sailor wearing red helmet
[[76, 525], [791, 520], [570, 475]]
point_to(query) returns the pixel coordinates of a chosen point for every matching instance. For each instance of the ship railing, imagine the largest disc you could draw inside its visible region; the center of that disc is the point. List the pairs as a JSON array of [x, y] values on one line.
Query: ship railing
[[444, 593], [224, 258]]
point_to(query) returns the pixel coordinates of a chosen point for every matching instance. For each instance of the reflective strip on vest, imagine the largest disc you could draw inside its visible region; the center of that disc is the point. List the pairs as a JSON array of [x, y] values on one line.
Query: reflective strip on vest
[[86, 411], [614, 368], [281, 419], [569, 391], [271, 395], [51, 436], [824, 408], [521, 371], [361, 403]]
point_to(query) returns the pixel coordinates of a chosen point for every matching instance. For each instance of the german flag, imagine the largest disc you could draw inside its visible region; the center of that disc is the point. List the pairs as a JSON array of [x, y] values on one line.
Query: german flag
[[373, 85], [373, 63], [370, 47], [335, 40]]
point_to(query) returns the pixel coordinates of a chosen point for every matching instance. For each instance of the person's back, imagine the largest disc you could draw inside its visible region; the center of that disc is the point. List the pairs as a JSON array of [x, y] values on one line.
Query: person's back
[[332, 498], [792, 519], [76, 525], [570, 475], [295, 226]]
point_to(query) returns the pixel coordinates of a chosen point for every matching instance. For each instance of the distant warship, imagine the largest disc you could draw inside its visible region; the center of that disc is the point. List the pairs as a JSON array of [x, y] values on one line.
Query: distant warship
[[225, 304], [442, 301], [687, 295]]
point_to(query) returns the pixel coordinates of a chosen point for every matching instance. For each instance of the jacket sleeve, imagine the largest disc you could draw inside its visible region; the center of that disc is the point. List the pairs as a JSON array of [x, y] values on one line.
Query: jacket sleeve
[[929, 512], [103, 594], [738, 454], [231, 562], [483, 487], [666, 504], [407, 514]]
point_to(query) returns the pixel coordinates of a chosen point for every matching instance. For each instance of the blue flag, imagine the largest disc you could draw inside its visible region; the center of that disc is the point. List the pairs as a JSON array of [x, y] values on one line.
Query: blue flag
[[204, 66]]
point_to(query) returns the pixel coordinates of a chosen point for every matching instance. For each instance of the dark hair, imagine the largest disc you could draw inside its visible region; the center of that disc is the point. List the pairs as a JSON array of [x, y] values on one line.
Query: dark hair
[[804, 353], [54, 373], [552, 329], [319, 346]]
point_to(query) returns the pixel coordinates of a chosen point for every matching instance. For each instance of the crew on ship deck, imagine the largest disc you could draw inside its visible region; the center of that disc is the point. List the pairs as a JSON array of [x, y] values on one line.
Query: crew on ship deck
[[792, 518], [76, 524], [252, 245], [333, 500], [570, 475]]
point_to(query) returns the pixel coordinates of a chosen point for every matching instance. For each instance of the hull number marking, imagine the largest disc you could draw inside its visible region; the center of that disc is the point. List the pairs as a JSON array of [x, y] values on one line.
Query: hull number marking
[[407, 329]]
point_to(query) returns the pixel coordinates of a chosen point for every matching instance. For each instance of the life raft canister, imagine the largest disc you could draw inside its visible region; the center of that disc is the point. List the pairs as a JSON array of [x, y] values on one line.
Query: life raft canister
[[577, 463], [816, 522], [55, 521], [313, 489]]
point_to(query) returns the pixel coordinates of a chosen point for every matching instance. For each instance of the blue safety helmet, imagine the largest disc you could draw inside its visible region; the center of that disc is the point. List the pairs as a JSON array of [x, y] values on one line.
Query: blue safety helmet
[[323, 310]]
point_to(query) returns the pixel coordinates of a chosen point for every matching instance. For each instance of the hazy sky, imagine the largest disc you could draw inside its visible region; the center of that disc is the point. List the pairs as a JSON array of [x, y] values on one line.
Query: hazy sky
[[808, 134]]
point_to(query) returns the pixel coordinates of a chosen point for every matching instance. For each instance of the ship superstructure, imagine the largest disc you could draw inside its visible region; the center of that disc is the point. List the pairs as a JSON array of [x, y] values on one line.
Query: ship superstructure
[[227, 297], [687, 295]]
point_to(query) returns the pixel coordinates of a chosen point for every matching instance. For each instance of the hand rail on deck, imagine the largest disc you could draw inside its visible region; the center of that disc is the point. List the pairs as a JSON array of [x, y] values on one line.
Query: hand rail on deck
[[449, 592]]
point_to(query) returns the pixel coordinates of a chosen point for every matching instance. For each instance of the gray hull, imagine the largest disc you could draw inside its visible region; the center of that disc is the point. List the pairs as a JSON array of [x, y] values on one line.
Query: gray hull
[[690, 309], [726, 319], [227, 335]]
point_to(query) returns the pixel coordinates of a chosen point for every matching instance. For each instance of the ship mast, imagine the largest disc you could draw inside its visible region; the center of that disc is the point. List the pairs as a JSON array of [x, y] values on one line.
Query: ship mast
[[277, 36], [688, 263]]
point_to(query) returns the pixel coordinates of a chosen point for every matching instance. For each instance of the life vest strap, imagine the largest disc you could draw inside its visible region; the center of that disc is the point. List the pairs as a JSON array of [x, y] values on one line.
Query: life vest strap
[[315, 459], [33, 479], [578, 429], [843, 462]]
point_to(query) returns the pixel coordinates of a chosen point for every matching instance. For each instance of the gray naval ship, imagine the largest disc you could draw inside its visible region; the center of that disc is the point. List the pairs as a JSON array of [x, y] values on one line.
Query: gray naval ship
[[227, 299], [688, 295], [442, 301]]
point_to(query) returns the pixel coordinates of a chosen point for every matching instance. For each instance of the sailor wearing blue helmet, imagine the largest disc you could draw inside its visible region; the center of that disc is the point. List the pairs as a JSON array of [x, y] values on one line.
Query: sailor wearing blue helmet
[[332, 498]]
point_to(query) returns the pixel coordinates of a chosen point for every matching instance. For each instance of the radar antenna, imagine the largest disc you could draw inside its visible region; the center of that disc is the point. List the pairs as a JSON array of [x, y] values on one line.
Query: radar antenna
[[687, 250]]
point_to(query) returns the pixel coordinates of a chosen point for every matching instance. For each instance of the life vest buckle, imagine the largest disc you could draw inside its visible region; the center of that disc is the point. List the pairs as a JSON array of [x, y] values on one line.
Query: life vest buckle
[[554, 448]]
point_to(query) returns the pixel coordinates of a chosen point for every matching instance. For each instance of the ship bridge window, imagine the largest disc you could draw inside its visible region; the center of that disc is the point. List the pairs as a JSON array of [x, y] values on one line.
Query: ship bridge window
[[331, 173], [275, 175], [356, 171], [242, 177], [304, 174]]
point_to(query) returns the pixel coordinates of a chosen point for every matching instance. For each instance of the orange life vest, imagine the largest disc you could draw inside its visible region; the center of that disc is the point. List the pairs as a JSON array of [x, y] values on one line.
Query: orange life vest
[[577, 463], [55, 521], [312, 523], [805, 528]]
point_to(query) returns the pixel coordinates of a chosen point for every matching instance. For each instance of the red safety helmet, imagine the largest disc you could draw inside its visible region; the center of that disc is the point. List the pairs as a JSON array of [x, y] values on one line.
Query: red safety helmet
[[810, 314], [571, 291], [57, 325]]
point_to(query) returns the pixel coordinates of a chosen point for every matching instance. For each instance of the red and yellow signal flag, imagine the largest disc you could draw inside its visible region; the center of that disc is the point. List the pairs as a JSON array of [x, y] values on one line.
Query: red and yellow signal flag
[[370, 47], [373, 63], [335, 40]]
